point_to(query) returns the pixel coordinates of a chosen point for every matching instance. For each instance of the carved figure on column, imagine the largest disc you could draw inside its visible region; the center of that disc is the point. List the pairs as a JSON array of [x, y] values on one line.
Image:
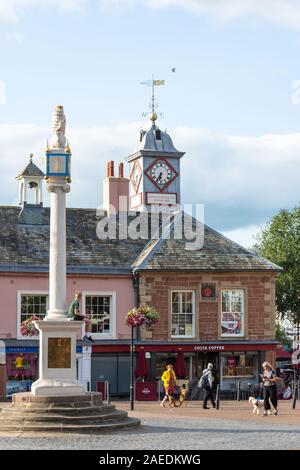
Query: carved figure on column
[[59, 128]]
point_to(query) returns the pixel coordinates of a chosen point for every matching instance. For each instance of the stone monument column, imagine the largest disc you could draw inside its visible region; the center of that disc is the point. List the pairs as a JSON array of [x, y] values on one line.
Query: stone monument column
[[57, 264], [57, 361]]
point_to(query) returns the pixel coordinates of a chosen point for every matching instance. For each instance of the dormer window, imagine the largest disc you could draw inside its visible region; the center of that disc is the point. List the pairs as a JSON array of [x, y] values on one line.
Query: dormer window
[[157, 134]]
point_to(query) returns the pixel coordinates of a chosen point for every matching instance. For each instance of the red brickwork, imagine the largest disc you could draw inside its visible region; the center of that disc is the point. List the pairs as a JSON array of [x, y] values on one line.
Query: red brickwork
[[155, 289]]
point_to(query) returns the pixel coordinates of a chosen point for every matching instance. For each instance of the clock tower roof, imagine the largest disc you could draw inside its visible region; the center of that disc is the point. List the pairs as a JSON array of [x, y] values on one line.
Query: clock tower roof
[[155, 140]]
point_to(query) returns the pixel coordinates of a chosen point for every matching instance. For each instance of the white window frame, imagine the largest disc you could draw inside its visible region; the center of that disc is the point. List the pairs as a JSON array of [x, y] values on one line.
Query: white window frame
[[243, 314], [19, 295], [112, 294], [193, 313]]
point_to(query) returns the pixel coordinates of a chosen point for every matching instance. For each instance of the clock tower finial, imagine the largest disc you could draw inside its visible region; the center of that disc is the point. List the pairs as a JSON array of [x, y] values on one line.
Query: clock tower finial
[[153, 105], [153, 116]]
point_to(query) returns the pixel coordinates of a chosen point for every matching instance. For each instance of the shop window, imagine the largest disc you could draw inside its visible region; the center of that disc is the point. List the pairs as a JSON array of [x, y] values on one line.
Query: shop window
[[239, 365], [31, 304], [183, 314], [162, 359], [100, 309], [22, 370], [232, 313]]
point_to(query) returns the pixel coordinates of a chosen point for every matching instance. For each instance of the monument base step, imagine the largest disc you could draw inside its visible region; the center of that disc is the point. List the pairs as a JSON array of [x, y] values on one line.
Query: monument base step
[[63, 414]]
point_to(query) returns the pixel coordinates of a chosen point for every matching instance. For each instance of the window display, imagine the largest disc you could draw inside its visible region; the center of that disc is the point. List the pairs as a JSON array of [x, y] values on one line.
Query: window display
[[232, 314], [239, 365], [21, 371]]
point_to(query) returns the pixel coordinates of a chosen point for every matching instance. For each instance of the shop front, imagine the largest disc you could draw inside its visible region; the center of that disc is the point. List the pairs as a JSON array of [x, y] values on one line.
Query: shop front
[[233, 363]]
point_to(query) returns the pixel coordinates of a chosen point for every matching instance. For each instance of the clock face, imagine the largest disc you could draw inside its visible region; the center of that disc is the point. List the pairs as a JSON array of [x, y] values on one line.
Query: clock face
[[136, 175], [161, 173]]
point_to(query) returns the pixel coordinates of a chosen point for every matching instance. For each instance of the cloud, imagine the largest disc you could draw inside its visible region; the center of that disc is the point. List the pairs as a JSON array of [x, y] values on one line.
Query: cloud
[[241, 180], [10, 10], [245, 236], [284, 13]]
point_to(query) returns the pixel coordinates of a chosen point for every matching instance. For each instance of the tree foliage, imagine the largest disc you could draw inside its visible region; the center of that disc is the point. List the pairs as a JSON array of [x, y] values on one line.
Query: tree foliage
[[279, 242], [282, 337]]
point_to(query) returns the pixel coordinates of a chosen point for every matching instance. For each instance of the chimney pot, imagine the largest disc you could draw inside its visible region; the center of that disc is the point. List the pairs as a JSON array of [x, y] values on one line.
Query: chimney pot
[[110, 168], [121, 170]]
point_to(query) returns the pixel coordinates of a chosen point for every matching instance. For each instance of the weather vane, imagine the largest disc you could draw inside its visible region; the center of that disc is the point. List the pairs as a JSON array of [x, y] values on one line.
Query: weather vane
[[153, 105]]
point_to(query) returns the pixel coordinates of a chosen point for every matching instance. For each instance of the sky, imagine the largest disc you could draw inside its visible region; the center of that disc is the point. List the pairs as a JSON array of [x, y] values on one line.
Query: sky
[[233, 103]]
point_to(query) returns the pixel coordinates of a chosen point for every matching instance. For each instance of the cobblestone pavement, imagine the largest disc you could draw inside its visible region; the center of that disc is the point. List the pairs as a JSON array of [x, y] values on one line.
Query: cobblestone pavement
[[178, 429]]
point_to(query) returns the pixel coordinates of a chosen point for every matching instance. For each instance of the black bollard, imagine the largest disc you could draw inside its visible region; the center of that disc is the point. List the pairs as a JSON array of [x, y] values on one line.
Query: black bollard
[[238, 395], [295, 395], [218, 398]]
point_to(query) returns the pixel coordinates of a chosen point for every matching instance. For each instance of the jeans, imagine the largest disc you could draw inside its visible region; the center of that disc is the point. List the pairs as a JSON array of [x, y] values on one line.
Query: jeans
[[208, 396], [270, 392]]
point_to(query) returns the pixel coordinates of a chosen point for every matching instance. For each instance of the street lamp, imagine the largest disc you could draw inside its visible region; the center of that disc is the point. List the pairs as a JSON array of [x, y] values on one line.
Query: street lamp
[[132, 349]]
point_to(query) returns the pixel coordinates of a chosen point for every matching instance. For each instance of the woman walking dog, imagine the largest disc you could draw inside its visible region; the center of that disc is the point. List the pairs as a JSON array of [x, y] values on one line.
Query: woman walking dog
[[169, 380], [268, 378]]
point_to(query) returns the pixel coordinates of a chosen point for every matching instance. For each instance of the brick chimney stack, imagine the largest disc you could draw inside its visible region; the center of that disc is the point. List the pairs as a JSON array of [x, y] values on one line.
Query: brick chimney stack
[[115, 189]]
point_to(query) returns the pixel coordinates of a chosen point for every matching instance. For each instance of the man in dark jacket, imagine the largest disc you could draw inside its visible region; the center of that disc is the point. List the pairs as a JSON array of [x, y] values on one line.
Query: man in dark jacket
[[207, 373]]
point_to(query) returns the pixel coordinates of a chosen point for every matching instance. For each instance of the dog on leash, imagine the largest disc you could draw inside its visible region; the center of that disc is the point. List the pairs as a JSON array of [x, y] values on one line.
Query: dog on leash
[[257, 405], [176, 400], [182, 397]]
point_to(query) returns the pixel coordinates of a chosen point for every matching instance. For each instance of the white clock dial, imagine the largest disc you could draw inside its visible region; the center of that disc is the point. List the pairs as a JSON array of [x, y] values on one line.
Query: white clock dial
[[161, 173], [136, 176]]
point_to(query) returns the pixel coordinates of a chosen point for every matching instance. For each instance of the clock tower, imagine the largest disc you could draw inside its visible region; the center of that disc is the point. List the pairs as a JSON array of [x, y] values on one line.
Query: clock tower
[[154, 170]]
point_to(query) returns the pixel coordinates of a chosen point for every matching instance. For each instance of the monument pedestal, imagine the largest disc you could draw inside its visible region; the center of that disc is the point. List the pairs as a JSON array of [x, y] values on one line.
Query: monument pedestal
[[85, 413], [57, 361]]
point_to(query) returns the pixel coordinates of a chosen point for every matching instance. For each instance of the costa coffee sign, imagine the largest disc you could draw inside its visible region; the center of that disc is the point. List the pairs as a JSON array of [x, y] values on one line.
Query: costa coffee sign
[[211, 347], [152, 347]]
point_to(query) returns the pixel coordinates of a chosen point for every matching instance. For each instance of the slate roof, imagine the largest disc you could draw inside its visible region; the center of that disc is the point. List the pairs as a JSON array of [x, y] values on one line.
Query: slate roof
[[31, 170], [218, 253], [25, 248]]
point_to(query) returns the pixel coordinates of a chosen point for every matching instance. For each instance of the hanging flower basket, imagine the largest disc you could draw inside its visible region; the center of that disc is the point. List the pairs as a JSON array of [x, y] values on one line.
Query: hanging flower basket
[[143, 315], [28, 328]]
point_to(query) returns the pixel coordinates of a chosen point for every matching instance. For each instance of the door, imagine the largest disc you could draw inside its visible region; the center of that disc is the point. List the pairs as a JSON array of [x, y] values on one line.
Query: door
[[115, 368], [104, 367]]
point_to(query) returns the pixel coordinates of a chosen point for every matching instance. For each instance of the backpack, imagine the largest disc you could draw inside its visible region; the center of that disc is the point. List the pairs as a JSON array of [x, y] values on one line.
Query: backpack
[[204, 382]]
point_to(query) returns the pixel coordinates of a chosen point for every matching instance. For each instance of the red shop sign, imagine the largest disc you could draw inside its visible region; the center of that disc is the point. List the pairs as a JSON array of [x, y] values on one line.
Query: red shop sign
[[145, 391]]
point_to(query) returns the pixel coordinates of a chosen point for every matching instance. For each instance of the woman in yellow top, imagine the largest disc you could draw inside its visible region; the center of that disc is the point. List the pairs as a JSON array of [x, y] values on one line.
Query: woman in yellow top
[[169, 380], [19, 363]]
